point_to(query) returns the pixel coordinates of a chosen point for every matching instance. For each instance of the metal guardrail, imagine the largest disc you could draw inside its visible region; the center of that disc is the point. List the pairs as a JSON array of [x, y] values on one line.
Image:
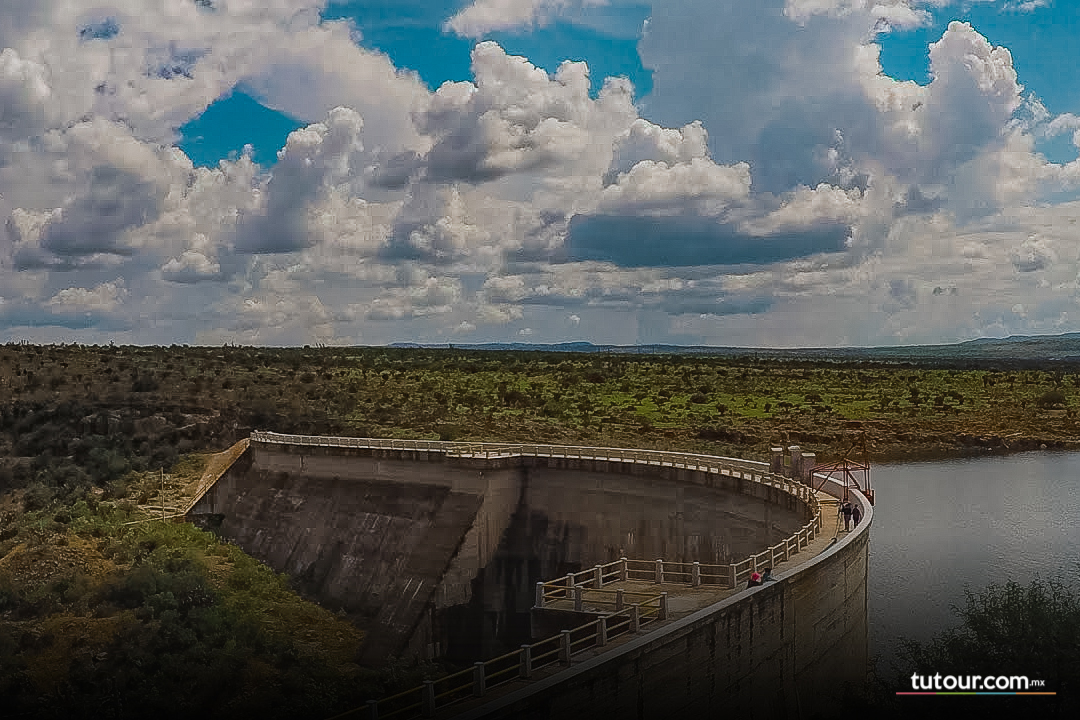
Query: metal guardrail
[[627, 617]]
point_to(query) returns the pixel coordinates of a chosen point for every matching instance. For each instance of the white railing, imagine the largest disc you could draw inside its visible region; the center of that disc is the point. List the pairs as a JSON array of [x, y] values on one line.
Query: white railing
[[732, 467]]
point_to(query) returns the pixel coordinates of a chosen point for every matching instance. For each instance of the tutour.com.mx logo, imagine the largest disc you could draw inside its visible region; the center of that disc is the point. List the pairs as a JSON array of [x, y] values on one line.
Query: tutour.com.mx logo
[[939, 684]]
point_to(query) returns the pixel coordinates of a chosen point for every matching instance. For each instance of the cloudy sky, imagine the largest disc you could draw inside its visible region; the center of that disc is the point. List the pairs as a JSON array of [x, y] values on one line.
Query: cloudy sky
[[768, 173]]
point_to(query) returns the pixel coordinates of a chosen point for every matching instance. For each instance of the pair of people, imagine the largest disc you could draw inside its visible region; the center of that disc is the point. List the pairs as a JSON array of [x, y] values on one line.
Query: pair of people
[[760, 579], [850, 512]]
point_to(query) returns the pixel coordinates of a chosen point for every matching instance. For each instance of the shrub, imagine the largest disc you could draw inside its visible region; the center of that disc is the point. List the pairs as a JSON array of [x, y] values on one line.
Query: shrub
[[37, 497], [1012, 629], [1051, 398]]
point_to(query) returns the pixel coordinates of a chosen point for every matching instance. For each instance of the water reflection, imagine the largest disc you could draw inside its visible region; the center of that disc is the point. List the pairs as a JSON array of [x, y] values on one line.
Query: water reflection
[[941, 527]]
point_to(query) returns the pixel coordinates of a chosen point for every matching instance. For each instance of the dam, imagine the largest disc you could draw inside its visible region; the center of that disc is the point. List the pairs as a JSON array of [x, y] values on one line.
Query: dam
[[437, 549]]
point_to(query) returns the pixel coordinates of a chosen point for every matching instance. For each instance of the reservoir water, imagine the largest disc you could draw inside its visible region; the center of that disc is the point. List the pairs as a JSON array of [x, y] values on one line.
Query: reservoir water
[[941, 527]]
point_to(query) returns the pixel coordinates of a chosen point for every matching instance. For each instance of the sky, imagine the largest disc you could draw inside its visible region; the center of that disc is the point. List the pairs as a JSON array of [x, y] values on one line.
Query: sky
[[777, 173]]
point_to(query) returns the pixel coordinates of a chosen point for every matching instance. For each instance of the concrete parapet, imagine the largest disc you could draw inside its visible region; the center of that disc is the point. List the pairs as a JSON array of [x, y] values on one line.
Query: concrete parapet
[[776, 460], [806, 467], [796, 461]]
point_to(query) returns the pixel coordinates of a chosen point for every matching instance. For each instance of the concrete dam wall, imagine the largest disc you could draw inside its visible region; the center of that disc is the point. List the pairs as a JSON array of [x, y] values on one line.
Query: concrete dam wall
[[437, 551], [788, 649]]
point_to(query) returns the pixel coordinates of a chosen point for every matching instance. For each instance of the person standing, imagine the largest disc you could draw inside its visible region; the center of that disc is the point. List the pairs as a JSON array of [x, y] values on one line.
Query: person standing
[[845, 510], [856, 515]]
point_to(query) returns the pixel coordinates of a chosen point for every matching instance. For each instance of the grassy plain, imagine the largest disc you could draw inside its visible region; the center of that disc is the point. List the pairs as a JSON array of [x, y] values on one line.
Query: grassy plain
[[104, 612]]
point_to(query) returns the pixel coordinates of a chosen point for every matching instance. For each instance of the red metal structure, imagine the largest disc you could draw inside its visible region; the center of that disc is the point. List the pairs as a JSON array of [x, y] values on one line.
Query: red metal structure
[[849, 470]]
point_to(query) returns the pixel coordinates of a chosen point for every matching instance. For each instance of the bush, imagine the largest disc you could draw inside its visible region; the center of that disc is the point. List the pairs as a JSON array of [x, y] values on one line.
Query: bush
[[37, 497], [1051, 398], [1012, 629]]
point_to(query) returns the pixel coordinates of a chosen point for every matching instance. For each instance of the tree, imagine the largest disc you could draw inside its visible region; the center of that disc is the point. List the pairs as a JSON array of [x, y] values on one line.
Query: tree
[[1014, 630]]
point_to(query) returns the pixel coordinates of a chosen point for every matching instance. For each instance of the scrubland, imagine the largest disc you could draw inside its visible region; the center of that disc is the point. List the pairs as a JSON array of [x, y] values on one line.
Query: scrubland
[[108, 611]]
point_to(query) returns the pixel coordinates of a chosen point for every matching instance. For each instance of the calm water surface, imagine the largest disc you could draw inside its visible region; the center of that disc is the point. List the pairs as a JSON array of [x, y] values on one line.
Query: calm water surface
[[941, 527]]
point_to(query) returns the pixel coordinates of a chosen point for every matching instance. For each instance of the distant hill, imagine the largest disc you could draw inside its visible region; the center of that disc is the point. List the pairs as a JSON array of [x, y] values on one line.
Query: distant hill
[[1023, 350]]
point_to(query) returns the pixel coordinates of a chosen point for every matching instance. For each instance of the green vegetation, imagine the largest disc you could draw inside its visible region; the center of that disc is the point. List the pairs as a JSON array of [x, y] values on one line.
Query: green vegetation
[[106, 615], [1006, 629], [72, 413], [105, 611], [1013, 629]]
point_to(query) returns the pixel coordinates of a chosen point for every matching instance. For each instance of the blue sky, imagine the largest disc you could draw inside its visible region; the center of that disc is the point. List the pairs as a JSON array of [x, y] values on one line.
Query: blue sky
[[1040, 41], [776, 173], [412, 34]]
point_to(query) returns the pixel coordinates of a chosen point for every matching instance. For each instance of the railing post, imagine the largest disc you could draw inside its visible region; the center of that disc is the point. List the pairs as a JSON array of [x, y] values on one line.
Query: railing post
[[525, 663], [624, 570], [731, 576], [479, 686], [753, 563], [564, 647], [598, 576], [663, 606], [373, 709], [695, 574], [429, 698], [601, 631], [635, 618], [579, 597], [569, 585], [539, 594], [659, 571], [619, 600]]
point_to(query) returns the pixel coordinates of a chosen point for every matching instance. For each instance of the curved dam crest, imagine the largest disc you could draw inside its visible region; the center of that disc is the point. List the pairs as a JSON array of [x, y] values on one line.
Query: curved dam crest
[[437, 553]]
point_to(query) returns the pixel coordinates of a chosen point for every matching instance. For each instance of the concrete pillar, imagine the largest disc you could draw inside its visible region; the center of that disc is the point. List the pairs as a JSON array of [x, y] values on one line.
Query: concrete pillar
[[525, 663], [796, 460], [695, 574], [620, 599], [659, 571], [766, 534], [373, 709], [776, 461], [635, 618], [809, 462], [569, 585], [564, 647], [429, 698], [731, 576], [598, 576], [579, 598], [663, 606], [680, 532], [539, 594], [624, 570], [479, 684], [601, 631]]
